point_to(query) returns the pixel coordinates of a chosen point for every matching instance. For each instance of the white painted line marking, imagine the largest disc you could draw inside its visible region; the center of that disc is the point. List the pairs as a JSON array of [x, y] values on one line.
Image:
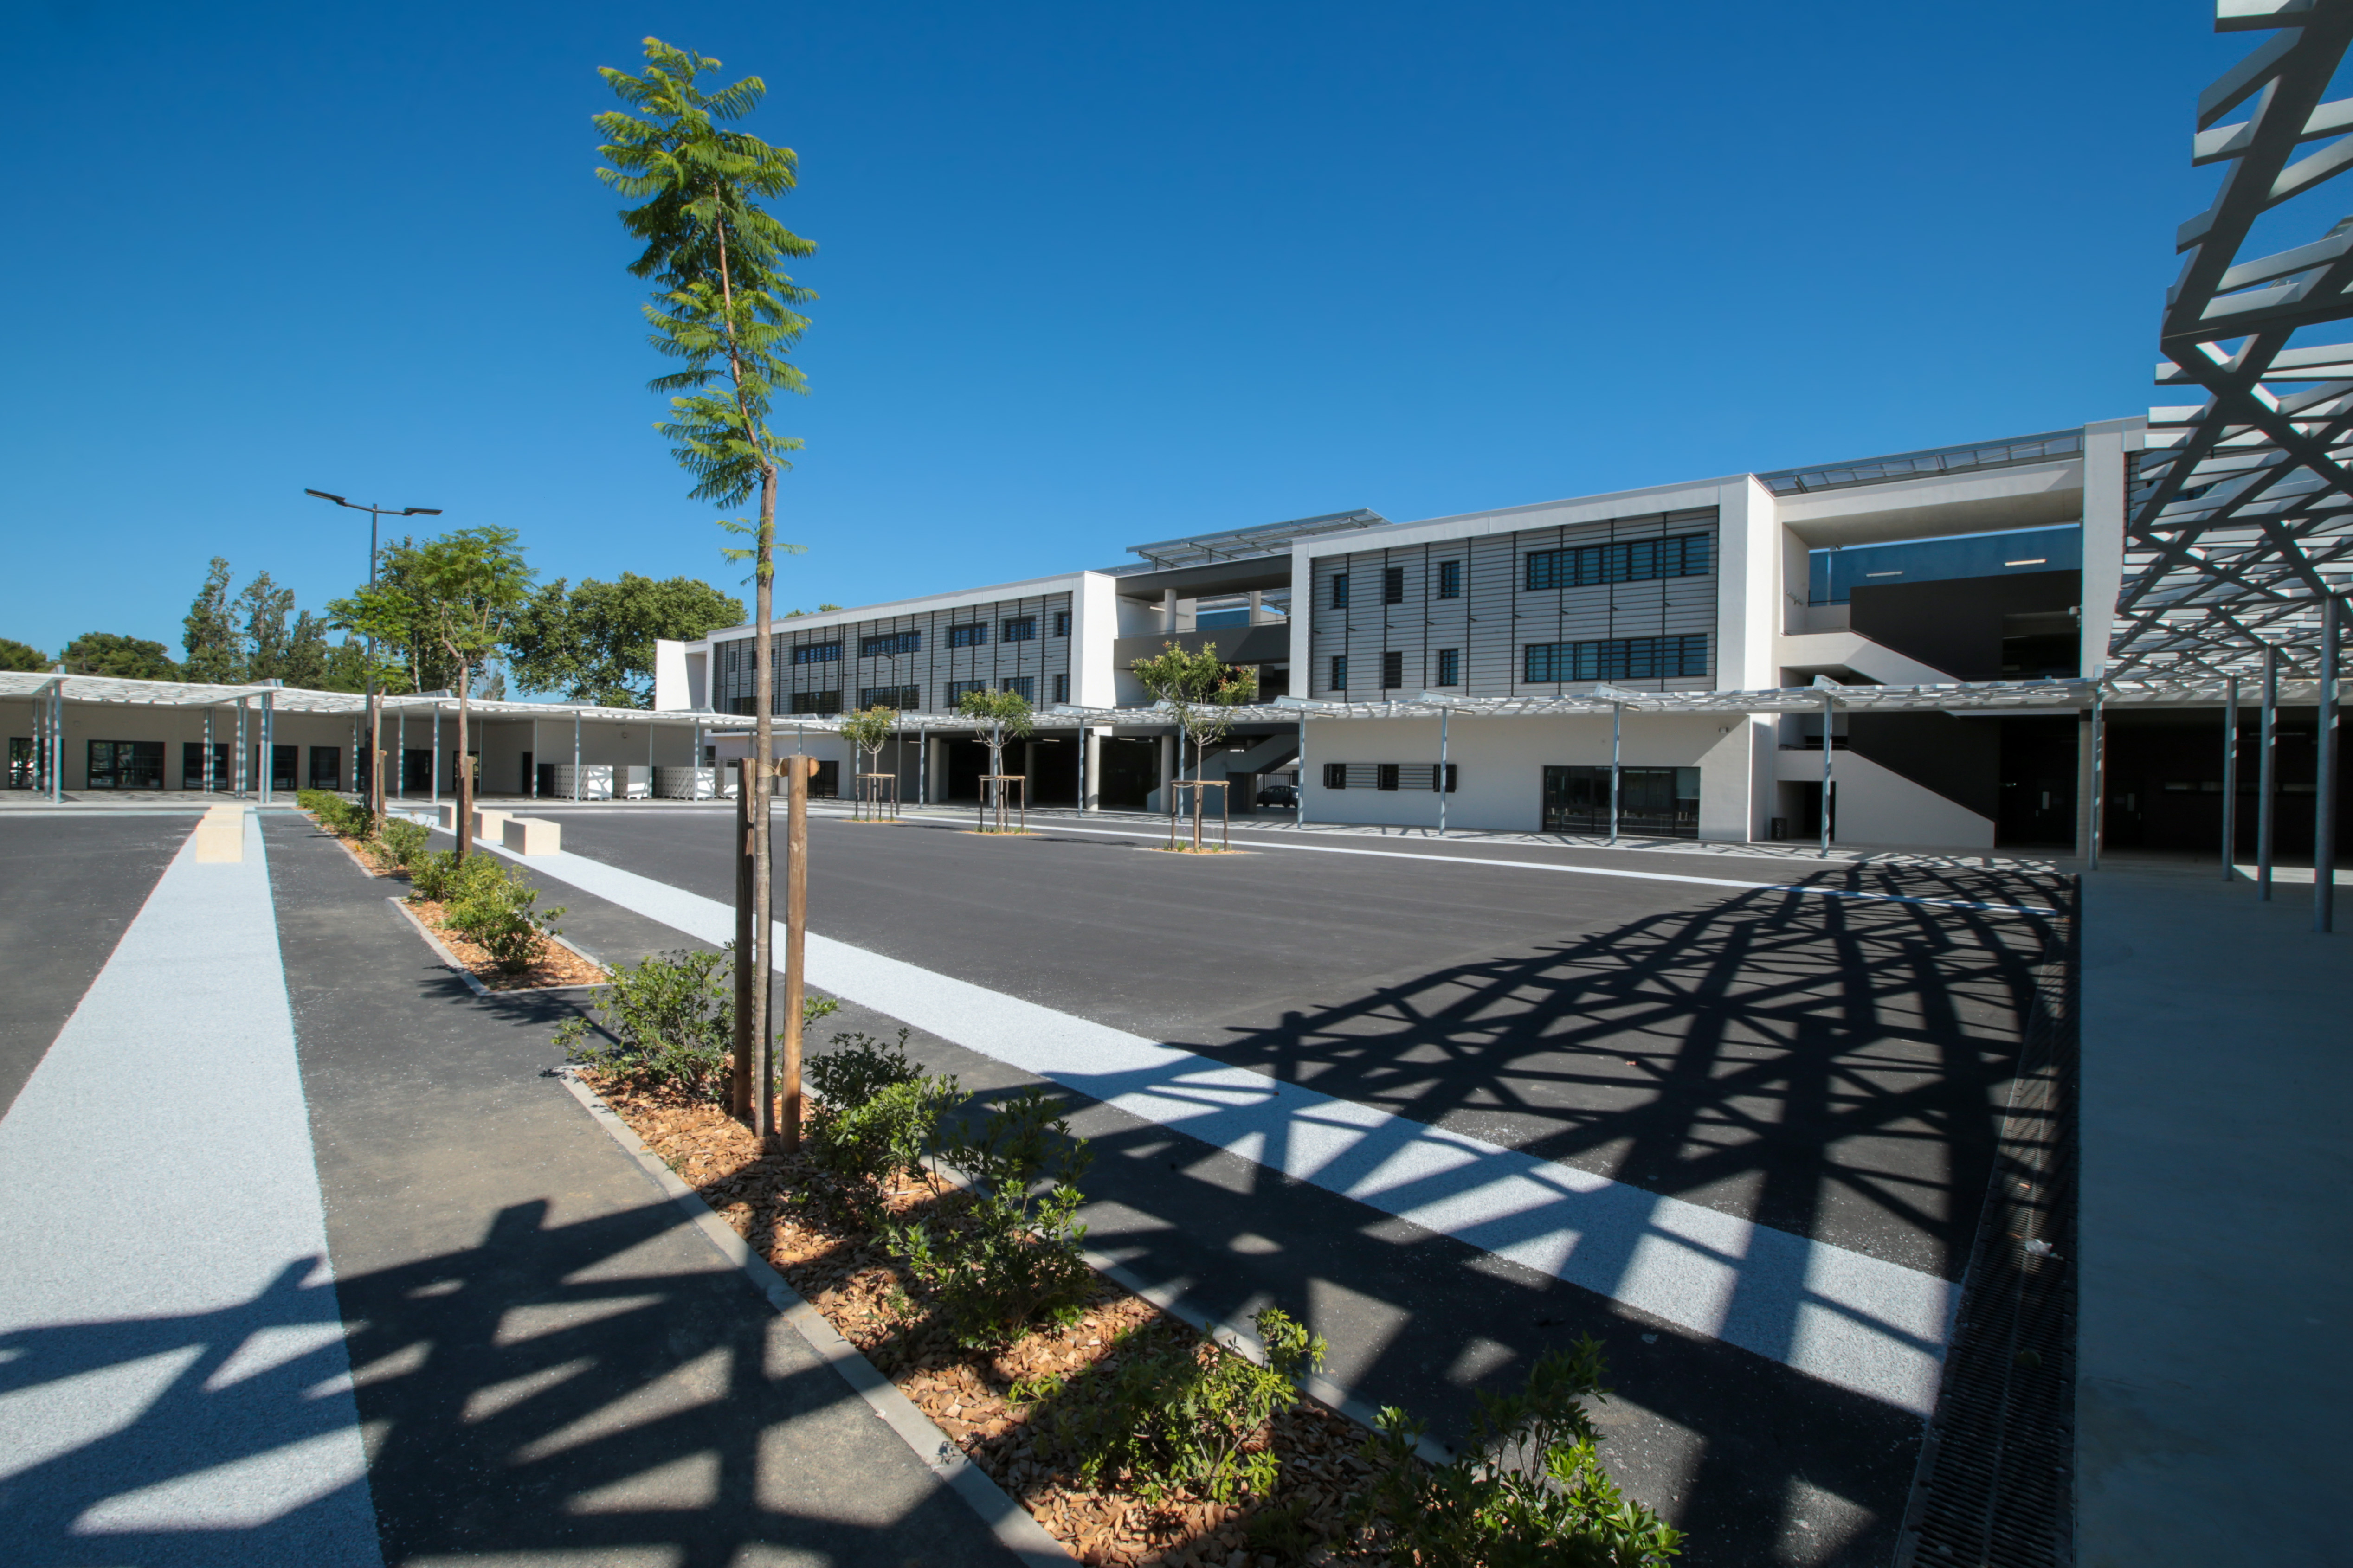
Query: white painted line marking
[[188, 1308], [1857, 1322], [1593, 871]]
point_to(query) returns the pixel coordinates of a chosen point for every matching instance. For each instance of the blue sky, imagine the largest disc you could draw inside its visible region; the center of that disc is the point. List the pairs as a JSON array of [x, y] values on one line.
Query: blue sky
[[1090, 274]]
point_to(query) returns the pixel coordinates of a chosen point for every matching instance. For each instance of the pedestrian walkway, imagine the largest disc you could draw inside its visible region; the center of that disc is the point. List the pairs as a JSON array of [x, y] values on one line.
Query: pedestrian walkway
[[172, 1381], [463, 1323], [2212, 1369]]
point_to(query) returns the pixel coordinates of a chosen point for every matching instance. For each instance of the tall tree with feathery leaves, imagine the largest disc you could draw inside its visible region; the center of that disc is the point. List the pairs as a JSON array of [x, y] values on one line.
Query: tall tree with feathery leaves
[[722, 308]]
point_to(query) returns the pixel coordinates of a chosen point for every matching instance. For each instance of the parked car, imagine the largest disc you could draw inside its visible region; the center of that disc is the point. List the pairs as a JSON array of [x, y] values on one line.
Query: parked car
[[1277, 795]]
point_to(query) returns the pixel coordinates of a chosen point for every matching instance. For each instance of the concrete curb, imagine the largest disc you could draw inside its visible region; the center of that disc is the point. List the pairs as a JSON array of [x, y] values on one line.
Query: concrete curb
[[1006, 1519]]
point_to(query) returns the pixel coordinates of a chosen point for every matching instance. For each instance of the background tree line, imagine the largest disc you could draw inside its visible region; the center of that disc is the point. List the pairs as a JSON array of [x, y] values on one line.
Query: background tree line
[[592, 642]]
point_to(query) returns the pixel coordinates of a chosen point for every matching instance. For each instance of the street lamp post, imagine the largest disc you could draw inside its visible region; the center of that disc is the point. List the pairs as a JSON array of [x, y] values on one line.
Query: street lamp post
[[376, 514]]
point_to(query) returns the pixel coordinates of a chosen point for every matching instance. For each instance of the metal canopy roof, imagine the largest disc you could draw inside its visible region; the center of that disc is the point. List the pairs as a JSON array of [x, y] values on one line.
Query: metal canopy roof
[[108, 689], [2049, 447], [1238, 544], [2241, 519]]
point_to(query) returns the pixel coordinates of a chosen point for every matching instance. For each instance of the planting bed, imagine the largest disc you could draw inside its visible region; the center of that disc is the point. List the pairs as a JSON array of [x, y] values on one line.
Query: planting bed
[[990, 1402], [553, 963]]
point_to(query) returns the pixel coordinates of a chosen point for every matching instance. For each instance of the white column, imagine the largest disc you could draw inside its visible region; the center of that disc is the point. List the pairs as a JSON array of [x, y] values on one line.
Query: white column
[[2104, 445], [1090, 774]]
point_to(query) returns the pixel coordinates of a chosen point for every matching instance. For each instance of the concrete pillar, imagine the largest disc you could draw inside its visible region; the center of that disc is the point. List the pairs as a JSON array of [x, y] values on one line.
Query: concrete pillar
[[1091, 771], [1168, 772], [1258, 606], [1168, 612], [2084, 785]]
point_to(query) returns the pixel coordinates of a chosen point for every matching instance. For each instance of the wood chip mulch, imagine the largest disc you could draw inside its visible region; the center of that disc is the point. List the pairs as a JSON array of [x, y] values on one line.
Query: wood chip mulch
[[794, 1213], [555, 963]]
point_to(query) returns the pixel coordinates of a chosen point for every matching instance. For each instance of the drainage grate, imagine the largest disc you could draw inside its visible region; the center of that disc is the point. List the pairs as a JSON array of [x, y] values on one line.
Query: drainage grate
[[1995, 1487]]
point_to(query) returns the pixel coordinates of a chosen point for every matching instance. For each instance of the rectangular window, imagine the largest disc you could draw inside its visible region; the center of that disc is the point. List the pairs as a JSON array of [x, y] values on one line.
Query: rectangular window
[[889, 642], [903, 698], [1339, 672], [817, 702], [1063, 687], [1616, 659], [1340, 592], [1450, 579], [973, 635], [818, 653], [326, 767], [132, 764], [1019, 628], [1449, 667], [1392, 670], [1335, 775], [956, 689], [1384, 775], [1026, 686], [192, 765], [1627, 561], [1393, 585], [1661, 803], [1062, 623]]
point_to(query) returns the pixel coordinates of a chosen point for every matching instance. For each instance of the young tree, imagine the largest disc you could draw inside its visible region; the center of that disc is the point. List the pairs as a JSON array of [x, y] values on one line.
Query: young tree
[[1202, 691], [464, 589], [122, 658], [595, 643], [723, 310], [870, 732], [999, 717], [208, 635], [15, 654]]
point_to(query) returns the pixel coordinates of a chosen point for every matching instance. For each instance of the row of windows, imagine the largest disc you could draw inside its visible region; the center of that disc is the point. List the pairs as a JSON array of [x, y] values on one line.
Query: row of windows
[[1578, 566], [824, 704], [1604, 658], [1626, 561], [891, 645], [1449, 584], [1387, 775], [1617, 658]]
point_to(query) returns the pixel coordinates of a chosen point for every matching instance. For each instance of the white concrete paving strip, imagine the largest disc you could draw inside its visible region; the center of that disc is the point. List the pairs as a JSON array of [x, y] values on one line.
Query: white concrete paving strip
[[178, 1362], [1857, 1321]]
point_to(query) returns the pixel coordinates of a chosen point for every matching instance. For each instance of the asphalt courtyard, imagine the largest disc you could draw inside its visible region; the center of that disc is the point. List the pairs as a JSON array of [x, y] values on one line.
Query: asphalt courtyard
[[1462, 1102], [1457, 1103]]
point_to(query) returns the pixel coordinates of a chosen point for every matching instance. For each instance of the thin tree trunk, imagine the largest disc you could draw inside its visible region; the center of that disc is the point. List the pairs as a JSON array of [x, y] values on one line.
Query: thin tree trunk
[[764, 752]]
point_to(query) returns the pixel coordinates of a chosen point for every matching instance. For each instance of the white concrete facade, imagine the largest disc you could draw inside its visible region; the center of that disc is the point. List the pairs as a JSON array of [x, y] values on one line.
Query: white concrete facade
[[1763, 535]]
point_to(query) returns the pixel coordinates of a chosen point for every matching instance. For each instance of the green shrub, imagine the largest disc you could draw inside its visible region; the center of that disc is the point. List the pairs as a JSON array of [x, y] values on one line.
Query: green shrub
[[1481, 1509], [497, 910], [336, 815], [1013, 1255], [1191, 1418], [403, 840], [669, 1022], [875, 1115]]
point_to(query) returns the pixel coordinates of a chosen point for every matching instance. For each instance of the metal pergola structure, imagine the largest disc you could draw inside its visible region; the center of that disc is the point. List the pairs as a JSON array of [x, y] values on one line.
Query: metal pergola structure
[[265, 700], [2239, 542]]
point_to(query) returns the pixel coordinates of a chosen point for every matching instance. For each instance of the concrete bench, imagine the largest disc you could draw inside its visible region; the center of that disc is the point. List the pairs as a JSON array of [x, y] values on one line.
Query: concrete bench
[[448, 810], [489, 823], [530, 835]]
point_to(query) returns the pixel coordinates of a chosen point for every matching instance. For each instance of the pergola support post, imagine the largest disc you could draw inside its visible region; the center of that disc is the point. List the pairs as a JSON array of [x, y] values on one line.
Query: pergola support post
[[2266, 750], [2231, 780], [2324, 778], [1617, 755]]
